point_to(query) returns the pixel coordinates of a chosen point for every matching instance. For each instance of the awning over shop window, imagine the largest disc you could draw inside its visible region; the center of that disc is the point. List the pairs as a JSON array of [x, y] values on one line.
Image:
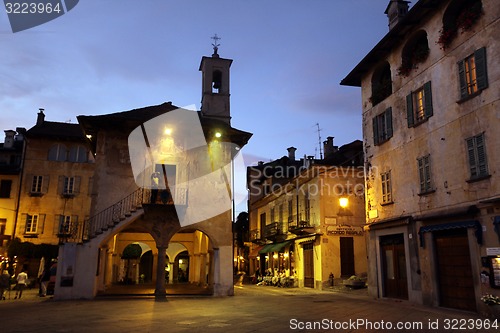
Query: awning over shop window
[[275, 247], [454, 225]]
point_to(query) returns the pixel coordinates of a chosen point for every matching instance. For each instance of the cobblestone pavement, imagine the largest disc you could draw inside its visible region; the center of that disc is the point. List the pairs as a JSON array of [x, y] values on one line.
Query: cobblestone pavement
[[252, 309]]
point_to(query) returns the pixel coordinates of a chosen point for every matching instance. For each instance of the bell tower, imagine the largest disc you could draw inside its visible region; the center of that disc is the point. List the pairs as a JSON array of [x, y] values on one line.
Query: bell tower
[[215, 85]]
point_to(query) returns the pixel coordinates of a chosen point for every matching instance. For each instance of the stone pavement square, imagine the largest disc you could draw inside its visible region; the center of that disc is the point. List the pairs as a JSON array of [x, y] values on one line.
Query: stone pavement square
[[252, 309]]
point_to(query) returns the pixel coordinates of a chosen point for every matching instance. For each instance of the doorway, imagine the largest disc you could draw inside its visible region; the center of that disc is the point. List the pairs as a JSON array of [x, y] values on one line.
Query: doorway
[[394, 266], [308, 265], [456, 287], [347, 256]]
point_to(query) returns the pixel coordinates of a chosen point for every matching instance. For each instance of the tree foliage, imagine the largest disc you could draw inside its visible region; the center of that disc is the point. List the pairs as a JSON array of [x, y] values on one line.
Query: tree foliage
[[30, 250], [132, 251]]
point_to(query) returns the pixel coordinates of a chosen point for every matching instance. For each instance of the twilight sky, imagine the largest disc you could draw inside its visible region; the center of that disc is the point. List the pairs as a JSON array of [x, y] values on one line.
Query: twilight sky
[[107, 56]]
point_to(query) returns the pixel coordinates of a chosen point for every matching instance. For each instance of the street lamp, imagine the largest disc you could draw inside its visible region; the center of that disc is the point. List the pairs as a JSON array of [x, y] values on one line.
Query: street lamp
[[343, 202]]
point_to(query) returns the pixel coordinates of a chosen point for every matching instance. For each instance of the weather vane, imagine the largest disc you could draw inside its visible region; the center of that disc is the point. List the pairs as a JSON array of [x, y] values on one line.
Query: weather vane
[[215, 44]]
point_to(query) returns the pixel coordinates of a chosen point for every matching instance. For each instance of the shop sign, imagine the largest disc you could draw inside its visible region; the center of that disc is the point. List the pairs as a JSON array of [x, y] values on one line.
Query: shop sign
[[345, 231], [493, 251]]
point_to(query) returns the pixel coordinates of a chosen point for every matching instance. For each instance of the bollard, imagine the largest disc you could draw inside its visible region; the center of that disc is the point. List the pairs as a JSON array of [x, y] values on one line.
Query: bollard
[[331, 277]]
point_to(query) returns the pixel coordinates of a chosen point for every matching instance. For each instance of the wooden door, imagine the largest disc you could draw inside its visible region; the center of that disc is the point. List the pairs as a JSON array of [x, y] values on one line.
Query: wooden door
[[453, 266], [347, 256], [308, 265], [394, 267]]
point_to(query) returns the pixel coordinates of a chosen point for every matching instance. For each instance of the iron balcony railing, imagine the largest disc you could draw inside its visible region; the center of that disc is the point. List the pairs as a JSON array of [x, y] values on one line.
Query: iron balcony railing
[[111, 216]]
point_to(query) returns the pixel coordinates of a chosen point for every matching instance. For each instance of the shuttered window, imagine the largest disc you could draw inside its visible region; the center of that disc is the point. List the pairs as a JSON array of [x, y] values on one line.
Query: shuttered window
[[386, 187], [419, 105], [424, 173], [382, 127], [476, 153], [472, 72]]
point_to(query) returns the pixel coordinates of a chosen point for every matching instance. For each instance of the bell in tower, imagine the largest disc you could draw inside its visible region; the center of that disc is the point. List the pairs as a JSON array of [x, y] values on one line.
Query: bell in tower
[[215, 85]]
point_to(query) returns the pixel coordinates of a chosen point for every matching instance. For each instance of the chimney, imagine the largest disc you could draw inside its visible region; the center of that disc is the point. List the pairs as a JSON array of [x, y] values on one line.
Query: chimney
[[9, 138], [291, 153], [396, 11], [41, 117], [328, 147]]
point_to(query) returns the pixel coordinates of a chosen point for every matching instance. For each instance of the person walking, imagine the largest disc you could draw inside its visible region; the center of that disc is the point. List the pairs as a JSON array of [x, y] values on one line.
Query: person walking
[[44, 281], [4, 283], [22, 280]]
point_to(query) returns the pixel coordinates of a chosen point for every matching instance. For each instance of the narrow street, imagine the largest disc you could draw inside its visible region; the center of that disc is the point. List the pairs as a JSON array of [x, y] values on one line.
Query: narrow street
[[252, 309]]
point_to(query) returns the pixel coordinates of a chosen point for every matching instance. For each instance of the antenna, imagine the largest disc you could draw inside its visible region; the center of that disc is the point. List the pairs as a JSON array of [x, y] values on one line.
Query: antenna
[[319, 142]]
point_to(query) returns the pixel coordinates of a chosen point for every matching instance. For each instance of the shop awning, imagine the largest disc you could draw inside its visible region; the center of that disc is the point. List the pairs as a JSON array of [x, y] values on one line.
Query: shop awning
[[454, 225], [275, 247]]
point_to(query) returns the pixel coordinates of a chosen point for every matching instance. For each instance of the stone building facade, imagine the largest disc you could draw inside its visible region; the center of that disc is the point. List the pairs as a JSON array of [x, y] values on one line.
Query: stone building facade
[[163, 182], [306, 217], [430, 103]]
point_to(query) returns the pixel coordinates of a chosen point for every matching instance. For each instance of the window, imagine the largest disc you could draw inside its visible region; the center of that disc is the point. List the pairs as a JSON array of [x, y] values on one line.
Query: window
[[381, 84], [424, 173], [69, 185], [31, 224], [5, 187], [58, 152], [476, 152], [36, 185], [386, 187], [290, 210], [66, 224], [382, 127], [272, 215], [419, 105], [78, 154], [472, 73], [307, 207], [3, 226]]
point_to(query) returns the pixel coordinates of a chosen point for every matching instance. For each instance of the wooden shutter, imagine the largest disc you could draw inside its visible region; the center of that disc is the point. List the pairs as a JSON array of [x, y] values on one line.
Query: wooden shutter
[[29, 182], [462, 79], [375, 131], [472, 157], [22, 225], [482, 168], [41, 223], [388, 122], [421, 174], [409, 109], [57, 223], [481, 71], [45, 183], [76, 186], [428, 99], [60, 185]]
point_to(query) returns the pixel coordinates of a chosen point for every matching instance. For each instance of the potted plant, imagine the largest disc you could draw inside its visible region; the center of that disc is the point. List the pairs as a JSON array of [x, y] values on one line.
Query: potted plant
[[355, 282], [491, 299], [469, 16]]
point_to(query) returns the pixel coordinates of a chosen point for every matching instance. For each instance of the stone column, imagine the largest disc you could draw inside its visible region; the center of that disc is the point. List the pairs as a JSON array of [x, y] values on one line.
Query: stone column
[[203, 269], [171, 274], [160, 290], [194, 269]]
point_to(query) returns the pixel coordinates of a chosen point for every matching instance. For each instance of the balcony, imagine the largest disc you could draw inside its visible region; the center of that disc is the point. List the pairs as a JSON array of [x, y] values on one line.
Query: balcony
[[256, 237], [300, 227], [275, 232]]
